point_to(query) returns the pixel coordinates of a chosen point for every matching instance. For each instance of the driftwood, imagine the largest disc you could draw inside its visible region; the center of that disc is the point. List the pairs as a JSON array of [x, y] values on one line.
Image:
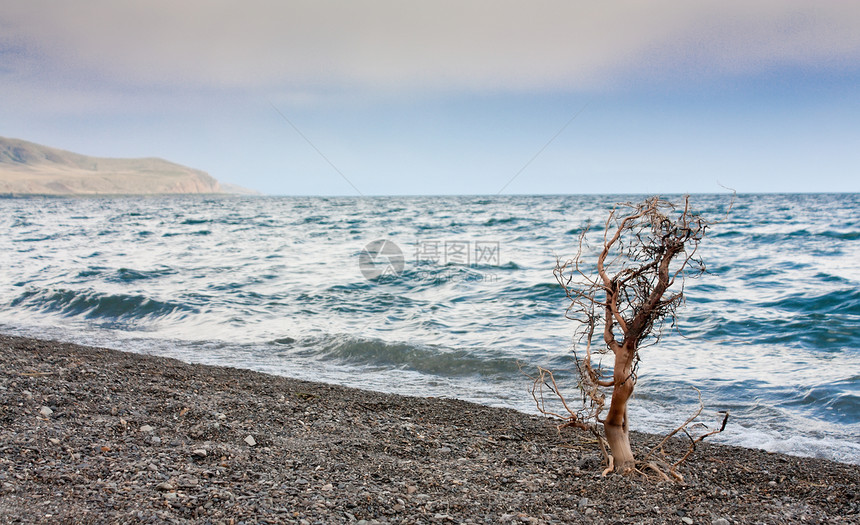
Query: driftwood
[[621, 304]]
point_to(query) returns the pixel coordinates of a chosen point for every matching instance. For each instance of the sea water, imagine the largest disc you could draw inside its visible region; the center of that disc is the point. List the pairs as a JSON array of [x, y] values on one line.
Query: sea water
[[453, 297]]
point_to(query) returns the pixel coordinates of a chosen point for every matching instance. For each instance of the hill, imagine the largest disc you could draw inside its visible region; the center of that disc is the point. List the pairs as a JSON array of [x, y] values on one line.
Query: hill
[[32, 169]]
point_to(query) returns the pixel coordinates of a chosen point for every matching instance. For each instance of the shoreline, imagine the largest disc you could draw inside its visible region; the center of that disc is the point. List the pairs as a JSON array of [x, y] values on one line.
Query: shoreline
[[99, 436]]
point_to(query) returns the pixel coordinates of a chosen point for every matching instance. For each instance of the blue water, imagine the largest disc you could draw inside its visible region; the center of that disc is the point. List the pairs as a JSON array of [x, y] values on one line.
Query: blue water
[[771, 333]]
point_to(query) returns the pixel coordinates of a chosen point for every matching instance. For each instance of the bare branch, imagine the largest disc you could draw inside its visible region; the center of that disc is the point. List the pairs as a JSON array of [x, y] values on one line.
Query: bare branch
[[647, 250]]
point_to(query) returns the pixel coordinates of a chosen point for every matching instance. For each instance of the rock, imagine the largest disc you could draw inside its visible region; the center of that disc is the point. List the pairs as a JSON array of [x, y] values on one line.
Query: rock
[[583, 502], [199, 453], [187, 481], [155, 440], [688, 520], [327, 487], [720, 521], [411, 489], [146, 428], [250, 441], [165, 486], [46, 411], [54, 441]]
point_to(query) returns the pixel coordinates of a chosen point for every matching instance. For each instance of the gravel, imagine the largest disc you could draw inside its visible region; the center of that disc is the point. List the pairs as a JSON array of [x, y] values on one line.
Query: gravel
[[134, 438]]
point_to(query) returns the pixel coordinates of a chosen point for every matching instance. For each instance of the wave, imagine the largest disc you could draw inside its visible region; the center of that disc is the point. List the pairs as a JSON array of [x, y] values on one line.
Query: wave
[[95, 305], [823, 334], [765, 238], [845, 301], [504, 220], [829, 402], [124, 275], [427, 359], [536, 292], [843, 236], [175, 234]]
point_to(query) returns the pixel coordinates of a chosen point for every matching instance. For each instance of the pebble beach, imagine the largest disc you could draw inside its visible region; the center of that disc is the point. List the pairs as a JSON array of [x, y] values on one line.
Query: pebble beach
[[91, 435]]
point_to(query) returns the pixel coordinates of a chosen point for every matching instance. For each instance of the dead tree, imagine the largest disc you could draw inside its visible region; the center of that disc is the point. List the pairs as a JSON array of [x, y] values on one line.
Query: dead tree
[[621, 304]]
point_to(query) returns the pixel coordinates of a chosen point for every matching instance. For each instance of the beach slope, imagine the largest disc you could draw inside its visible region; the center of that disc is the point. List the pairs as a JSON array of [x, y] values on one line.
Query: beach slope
[[92, 435]]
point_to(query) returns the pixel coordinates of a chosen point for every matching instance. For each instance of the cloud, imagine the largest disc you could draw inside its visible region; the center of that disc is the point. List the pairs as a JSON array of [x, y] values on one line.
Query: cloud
[[392, 46]]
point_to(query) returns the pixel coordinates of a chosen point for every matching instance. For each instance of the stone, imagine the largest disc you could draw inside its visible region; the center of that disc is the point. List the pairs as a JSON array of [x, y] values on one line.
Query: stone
[[688, 520], [165, 486], [46, 411], [250, 441], [146, 428], [199, 453], [720, 521], [187, 481]]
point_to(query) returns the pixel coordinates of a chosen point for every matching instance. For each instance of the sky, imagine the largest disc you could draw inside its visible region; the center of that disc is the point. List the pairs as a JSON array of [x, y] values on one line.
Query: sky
[[398, 97]]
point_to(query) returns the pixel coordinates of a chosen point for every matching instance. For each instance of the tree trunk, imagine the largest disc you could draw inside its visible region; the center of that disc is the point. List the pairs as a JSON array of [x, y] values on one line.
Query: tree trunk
[[616, 423]]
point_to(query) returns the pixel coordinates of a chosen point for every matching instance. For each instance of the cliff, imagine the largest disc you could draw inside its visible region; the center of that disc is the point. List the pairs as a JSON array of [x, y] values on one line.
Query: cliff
[[32, 169]]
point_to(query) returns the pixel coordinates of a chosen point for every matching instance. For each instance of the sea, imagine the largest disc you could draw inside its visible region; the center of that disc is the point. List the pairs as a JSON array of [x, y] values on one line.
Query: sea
[[454, 296]]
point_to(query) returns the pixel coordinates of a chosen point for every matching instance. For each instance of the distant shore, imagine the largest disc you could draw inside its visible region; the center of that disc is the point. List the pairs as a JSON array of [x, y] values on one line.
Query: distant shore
[[92, 435], [122, 195], [31, 169]]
